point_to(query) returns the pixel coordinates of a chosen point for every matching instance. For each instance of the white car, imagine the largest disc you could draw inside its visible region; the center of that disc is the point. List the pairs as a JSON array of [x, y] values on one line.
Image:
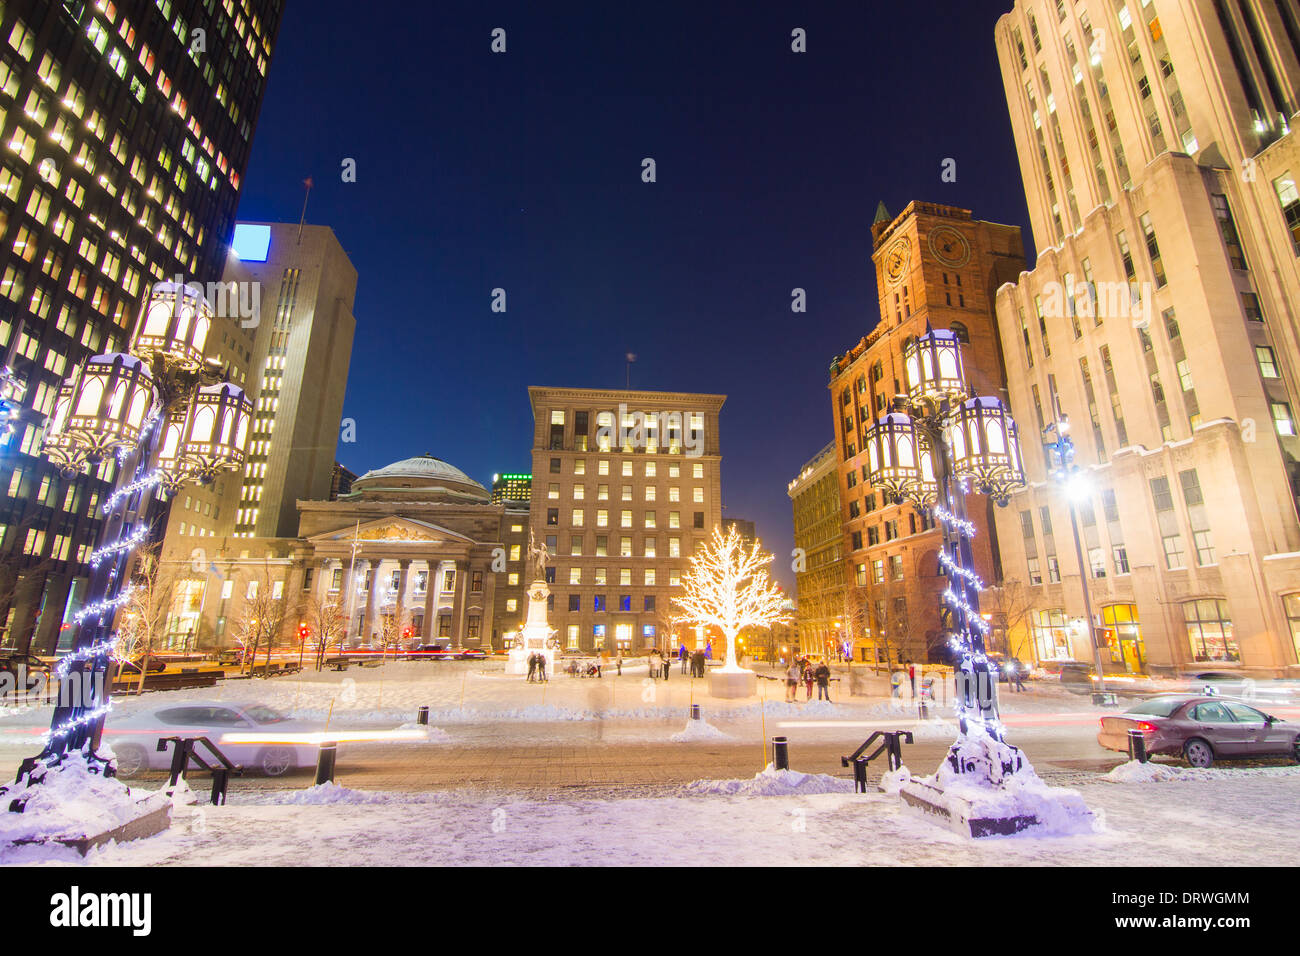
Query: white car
[[134, 739]]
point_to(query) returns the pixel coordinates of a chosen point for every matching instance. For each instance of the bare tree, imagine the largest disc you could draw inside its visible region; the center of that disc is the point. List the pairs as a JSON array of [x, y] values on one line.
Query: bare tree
[[260, 617], [327, 620], [144, 618], [1010, 604]]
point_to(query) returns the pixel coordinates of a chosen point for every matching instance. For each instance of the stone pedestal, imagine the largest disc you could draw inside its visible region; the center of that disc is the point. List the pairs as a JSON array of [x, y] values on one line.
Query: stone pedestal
[[536, 634], [728, 684]]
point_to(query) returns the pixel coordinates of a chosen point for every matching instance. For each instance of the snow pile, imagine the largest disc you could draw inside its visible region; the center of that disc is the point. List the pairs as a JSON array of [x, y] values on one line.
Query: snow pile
[[893, 781], [71, 802], [329, 793], [434, 735], [698, 730], [1134, 772], [772, 783], [990, 786]]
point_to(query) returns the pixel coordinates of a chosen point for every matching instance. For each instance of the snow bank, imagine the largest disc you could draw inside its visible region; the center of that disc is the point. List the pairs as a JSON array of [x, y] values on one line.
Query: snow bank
[[1134, 772], [434, 735], [772, 783], [699, 730]]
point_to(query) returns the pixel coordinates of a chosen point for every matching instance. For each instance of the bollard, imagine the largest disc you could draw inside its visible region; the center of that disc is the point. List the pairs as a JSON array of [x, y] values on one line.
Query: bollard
[[180, 758], [895, 751], [923, 710], [325, 762], [1137, 746], [695, 711], [422, 717], [780, 753], [860, 775]]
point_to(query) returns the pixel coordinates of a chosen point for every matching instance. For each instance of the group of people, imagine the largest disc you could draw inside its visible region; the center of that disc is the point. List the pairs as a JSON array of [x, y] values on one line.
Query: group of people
[[661, 664], [806, 671], [697, 661], [536, 667]]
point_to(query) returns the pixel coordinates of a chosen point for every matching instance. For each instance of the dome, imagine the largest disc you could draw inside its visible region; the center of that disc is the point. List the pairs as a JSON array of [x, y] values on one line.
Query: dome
[[424, 474]]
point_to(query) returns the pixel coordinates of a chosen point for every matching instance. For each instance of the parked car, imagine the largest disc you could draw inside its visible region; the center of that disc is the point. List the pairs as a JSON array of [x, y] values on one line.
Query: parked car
[[134, 738], [1227, 683], [150, 663], [1202, 730], [26, 672]]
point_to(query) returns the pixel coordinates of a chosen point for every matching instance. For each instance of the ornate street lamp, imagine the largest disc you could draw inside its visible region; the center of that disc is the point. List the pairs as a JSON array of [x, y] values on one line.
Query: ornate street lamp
[[939, 441], [165, 415]]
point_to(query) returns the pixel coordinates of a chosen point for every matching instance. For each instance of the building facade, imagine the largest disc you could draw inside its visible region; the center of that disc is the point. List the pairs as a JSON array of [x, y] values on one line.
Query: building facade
[[626, 484], [126, 148], [415, 553], [936, 267], [1162, 318], [822, 617], [511, 488]]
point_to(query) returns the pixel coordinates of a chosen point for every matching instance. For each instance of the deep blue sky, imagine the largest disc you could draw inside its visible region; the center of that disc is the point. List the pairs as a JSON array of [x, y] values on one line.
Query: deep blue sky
[[522, 171]]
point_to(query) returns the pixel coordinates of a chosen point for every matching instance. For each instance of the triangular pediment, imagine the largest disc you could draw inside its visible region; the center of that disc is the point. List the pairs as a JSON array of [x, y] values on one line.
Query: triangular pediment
[[393, 529]]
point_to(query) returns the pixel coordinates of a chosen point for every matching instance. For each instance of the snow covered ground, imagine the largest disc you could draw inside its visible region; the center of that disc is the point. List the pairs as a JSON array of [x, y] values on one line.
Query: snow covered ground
[[1212, 818]]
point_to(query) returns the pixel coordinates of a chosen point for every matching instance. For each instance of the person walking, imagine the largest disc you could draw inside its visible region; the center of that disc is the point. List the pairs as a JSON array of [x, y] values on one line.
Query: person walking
[[792, 675], [823, 677], [911, 676], [1018, 675], [532, 667]]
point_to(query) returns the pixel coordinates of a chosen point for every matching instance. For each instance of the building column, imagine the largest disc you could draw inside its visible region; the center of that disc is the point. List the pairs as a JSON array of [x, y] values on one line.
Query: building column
[[431, 603], [367, 614], [458, 606], [399, 602], [489, 609]]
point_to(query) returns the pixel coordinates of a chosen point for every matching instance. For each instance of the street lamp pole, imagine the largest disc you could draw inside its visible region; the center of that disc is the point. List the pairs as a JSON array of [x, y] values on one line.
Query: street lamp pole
[[1070, 477]]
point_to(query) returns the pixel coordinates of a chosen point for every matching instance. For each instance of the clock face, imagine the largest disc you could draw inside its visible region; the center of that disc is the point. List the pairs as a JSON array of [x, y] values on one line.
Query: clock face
[[949, 246], [897, 259]]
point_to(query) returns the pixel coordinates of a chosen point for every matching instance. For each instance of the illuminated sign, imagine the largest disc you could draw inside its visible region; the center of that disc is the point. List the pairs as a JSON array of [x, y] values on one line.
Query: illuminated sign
[[251, 243]]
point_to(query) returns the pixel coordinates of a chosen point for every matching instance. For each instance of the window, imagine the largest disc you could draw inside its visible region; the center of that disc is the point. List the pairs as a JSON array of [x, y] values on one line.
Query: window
[[1035, 572], [1267, 362], [1173, 545], [699, 519], [896, 567], [1282, 420], [1209, 631], [1153, 250], [575, 602], [1290, 200]]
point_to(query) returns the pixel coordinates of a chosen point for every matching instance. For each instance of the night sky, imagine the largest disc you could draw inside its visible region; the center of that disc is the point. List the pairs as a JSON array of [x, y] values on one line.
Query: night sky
[[522, 171]]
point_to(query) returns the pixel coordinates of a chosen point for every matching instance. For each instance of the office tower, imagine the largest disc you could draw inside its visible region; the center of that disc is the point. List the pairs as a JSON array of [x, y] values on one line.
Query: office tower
[[819, 539], [1161, 317], [511, 488], [126, 131], [626, 484], [936, 267], [341, 480]]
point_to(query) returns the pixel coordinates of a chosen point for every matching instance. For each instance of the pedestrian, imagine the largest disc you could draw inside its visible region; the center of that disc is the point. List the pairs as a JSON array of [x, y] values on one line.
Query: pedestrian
[[808, 676], [708, 651], [668, 666], [823, 676], [532, 667], [619, 663], [541, 667], [895, 683], [685, 657], [792, 675], [911, 675], [1018, 675]]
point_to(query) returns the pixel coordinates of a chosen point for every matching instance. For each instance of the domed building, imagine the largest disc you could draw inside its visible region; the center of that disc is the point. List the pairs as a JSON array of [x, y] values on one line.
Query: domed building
[[415, 552], [417, 545]]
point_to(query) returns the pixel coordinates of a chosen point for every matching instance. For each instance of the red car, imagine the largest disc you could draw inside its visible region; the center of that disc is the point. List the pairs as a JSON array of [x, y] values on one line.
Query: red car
[[1202, 730]]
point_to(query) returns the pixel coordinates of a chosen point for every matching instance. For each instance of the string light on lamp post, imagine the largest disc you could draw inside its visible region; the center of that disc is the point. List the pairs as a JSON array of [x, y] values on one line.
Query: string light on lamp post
[[159, 415]]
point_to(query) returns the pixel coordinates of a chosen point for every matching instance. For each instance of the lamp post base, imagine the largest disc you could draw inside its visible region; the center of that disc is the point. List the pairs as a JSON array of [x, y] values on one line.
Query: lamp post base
[[986, 788], [74, 804]]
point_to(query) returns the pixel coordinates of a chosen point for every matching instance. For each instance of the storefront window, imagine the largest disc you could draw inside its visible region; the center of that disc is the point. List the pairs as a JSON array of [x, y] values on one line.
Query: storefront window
[[1209, 630], [1051, 638]]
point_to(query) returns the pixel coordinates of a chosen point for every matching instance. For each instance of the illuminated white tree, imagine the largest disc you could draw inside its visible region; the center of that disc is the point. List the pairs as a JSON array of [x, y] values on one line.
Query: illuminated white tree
[[727, 587]]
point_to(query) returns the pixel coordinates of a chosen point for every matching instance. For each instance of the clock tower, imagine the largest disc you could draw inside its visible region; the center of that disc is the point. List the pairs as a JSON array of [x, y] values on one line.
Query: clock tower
[[936, 267]]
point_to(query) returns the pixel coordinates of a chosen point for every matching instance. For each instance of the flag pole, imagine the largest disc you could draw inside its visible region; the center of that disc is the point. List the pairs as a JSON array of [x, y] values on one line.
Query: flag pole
[[303, 218]]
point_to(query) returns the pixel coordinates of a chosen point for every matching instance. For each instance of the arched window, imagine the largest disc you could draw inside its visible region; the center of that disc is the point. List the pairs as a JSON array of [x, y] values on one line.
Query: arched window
[[92, 393], [204, 421], [959, 330]]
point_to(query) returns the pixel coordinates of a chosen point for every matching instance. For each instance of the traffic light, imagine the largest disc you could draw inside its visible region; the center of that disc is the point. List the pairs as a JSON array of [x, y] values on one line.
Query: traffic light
[[304, 632], [406, 632]]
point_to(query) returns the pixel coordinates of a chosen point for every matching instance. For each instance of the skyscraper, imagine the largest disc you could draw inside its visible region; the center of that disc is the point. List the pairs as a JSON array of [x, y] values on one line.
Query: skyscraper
[[126, 131], [819, 540], [1160, 171], [511, 488], [936, 267], [626, 484]]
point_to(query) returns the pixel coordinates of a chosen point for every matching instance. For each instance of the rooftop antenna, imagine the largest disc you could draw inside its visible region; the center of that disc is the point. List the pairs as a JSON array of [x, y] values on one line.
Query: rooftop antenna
[[631, 357]]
